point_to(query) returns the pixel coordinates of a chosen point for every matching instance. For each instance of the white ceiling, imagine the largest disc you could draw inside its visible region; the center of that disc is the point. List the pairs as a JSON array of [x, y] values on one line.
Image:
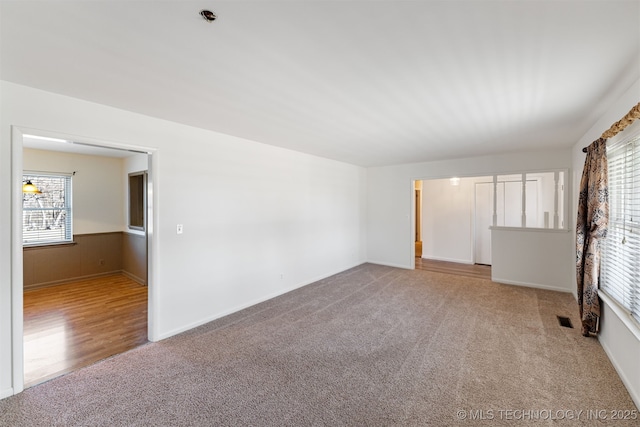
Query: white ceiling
[[365, 82]]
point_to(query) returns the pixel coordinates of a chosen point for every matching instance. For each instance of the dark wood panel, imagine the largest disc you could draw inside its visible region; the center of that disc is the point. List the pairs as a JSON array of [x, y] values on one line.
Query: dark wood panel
[[91, 255], [44, 264], [134, 256], [100, 253], [76, 324]]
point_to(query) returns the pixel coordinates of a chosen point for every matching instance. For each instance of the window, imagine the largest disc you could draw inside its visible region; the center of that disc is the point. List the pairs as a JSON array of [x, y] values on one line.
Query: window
[[137, 198], [621, 254], [530, 200], [46, 216]]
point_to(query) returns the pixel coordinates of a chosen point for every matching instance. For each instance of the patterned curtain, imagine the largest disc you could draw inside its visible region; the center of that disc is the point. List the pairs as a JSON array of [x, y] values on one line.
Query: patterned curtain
[[591, 229]]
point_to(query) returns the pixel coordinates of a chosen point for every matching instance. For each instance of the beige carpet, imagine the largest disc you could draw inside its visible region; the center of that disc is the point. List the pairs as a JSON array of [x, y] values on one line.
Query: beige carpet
[[372, 346]]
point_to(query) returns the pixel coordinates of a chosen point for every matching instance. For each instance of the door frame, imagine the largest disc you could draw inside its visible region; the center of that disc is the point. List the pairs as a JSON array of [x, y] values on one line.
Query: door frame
[[17, 289]]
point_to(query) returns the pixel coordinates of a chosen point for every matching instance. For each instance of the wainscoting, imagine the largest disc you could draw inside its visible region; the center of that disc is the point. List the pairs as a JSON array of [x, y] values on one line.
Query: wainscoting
[[134, 257], [90, 255]]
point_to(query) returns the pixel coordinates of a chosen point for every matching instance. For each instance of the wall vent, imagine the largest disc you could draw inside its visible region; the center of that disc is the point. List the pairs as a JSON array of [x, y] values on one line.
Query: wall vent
[[565, 322]]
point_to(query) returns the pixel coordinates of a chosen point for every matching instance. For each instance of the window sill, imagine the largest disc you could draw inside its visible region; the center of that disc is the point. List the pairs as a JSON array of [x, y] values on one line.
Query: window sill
[[537, 230], [47, 245], [622, 313], [137, 231]]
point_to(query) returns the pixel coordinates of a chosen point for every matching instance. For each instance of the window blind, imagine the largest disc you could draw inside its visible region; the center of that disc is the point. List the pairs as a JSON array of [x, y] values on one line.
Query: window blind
[[46, 217], [620, 273]]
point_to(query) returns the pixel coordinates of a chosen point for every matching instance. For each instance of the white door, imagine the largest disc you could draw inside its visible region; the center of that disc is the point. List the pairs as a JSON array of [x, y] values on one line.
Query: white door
[[483, 220]]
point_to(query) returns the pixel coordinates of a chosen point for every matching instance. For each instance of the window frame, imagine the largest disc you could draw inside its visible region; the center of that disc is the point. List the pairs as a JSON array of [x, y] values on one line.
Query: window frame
[[616, 258], [558, 217], [67, 186], [137, 201]]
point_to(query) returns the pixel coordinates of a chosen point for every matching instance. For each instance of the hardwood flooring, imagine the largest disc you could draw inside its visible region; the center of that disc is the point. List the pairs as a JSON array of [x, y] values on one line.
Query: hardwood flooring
[[73, 325], [477, 271]]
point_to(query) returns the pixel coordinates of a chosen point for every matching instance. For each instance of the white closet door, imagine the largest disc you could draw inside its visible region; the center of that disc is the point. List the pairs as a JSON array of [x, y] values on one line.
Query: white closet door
[[483, 220]]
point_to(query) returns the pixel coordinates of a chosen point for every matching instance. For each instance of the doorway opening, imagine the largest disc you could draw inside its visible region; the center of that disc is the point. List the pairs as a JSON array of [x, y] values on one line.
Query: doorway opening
[[88, 298], [418, 217], [454, 220], [456, 215]]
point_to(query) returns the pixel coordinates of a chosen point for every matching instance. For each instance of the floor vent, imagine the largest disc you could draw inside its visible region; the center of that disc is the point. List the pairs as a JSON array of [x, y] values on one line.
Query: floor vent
[[565, 322]]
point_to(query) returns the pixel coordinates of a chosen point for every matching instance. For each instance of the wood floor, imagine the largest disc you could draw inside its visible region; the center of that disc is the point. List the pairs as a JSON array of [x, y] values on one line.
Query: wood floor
[[73, 325], [477, 271]]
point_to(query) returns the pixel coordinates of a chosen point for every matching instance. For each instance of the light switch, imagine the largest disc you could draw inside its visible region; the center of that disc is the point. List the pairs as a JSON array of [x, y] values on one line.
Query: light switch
[[179, 229]]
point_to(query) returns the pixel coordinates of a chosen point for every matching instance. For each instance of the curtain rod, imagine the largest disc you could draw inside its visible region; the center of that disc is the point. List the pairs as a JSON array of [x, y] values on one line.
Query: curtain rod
[[621, 124]]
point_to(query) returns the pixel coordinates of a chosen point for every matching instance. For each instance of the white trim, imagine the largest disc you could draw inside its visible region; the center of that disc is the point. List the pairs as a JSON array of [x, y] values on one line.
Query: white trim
[[530, 285], [412, 224], [456, 260], [251, 303], [85, 140], [17, 291], [6, 393], [537, 230], [616, 275], [153, 249], [17, 280], [627, 383], [392, 264], [622, 313]]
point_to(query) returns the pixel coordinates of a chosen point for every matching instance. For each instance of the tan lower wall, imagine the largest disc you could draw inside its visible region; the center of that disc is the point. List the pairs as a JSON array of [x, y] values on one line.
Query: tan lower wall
[[90, 255], [134, 257]]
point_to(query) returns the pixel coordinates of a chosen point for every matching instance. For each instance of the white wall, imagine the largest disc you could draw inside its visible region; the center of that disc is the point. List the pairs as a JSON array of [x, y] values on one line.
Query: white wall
[[447, 220], [534, 258], [546, 196], [448, 235], [448, 223], [390, 196], [136, 163], [292, 217], [98, 201], [619, 336]]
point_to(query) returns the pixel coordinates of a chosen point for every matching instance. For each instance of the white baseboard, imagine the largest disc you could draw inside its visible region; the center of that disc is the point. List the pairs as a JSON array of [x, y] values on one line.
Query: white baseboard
[[6, 392], [625, 341], [456, 260], [530, 285], [625, 380], [389, 264], [251, 303], [135, 278]]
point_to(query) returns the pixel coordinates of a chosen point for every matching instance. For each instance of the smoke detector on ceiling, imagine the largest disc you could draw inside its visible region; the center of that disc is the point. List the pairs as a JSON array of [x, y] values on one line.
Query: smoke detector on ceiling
[[208, 15]]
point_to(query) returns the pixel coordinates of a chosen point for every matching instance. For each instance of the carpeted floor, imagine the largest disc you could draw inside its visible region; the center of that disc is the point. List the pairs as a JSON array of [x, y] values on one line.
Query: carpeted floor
[[372, 346]]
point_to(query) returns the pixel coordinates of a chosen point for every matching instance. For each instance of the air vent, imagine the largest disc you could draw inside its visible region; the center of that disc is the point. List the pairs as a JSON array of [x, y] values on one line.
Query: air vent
[[208, 15], [565, 322]]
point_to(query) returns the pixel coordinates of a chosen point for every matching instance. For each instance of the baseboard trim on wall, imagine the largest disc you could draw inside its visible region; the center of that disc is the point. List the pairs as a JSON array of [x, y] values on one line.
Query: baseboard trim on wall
[[611, 310], [621, 373], [389, 264], [134, 277], [530, 285], [6, 392], [251, 303], [69, 280], [457, 261]]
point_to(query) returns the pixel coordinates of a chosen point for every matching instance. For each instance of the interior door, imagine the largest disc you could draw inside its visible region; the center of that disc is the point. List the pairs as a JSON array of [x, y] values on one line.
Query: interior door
[[483, 220]]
